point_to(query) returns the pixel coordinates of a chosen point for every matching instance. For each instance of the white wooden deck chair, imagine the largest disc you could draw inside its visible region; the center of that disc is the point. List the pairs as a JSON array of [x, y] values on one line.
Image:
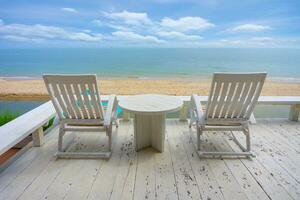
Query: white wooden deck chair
[[78, 105], [229, 108]]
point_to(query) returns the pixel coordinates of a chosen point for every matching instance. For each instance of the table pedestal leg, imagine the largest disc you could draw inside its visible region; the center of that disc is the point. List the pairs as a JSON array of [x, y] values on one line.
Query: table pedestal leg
[[149, 130]]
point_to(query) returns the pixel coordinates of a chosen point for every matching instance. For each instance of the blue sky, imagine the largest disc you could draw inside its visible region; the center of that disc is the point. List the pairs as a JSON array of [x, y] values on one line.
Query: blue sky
[[157, 23]]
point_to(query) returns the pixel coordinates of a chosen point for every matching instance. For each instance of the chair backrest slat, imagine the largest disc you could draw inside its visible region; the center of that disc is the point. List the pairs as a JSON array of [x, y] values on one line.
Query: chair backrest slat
[[233, 96], [255, 97], [95, 98], [87, 103], [236, 96], [59, 99], [253, 89], [79, 100], [214, 98], [73, 101], [66, 99], [75, 96], [229, 98], [241, 100], [220, 105]]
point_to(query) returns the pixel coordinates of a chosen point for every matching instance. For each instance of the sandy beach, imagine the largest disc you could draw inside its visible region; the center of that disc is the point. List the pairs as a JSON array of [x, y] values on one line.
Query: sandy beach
[[13, 89]]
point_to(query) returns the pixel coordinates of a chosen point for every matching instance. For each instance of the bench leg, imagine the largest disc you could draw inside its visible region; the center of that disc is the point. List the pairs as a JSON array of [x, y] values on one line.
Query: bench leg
[[37, 137], [294, 112]]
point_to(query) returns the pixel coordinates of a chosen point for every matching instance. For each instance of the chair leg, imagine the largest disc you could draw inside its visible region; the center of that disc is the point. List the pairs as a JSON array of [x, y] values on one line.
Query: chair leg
[[60, 139], [212, 154], [191, 123], [246, 149], [242, 147], [109, 133], [199, 133], [191, 118], [62, 153], [247, 134], [115, 119], [116, 123]]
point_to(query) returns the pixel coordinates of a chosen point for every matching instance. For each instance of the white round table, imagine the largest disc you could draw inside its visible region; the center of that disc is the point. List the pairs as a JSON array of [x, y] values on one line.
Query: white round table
[[149, 117]]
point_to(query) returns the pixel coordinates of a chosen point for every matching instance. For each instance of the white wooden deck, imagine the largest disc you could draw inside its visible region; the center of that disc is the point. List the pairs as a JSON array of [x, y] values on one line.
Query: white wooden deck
[[175, 174]]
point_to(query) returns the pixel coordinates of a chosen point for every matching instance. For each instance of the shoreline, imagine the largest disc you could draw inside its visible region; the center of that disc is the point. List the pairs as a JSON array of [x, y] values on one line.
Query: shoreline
[[186, 78], [34, 89]]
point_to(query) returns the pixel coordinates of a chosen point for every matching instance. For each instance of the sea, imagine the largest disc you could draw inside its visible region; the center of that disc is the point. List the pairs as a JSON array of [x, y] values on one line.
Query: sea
[[148, 63]]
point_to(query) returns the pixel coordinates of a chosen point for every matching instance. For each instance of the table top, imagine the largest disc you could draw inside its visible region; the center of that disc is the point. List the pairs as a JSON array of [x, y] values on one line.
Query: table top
[[151, 104]]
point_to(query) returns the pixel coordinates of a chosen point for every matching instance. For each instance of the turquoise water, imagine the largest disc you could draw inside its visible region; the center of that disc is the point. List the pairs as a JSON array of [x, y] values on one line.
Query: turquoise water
[[18, 107], [21, 107], [260, 111], [150, 63]]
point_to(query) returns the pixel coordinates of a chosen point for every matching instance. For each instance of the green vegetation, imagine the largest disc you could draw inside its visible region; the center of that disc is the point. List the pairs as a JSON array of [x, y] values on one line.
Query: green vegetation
[[49, 124], [7, 117]]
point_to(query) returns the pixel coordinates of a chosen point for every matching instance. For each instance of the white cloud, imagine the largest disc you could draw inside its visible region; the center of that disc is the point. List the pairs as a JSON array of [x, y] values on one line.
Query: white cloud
[[186, 24], [252, 42], [85, 37], [169, 28], [97, 22], [131, 18], [1, 22], [179, 36], [36, 32], [263, 39], [71, 10], [119, 27], [249, 28], [20, 38], [133, 37], [113, 25]]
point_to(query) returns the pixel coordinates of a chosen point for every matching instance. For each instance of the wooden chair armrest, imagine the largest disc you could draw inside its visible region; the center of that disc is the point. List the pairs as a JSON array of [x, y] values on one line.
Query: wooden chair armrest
[[111, 109], [197, 108]]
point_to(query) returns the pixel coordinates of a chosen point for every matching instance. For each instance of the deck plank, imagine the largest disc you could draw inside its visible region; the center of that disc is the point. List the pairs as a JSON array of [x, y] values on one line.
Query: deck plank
[[187, 186], [87, 174], [75, 172], [125, 180], [273, 186], [245, 179], [178, 173], [145, 175], [208, 186], [23, 180], [164, 173], [286, 158], [40, 185], [22, 163], [289, 144], [230, 187], [286, 130], [104, 180], [279, 172]]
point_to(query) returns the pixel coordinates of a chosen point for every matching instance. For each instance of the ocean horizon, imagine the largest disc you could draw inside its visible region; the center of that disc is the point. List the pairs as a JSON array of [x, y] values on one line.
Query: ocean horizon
[[150, 63]]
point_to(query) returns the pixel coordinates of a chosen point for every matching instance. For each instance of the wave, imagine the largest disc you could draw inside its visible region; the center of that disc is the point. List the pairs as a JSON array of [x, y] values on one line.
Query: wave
[[20, 77], [171, 77]]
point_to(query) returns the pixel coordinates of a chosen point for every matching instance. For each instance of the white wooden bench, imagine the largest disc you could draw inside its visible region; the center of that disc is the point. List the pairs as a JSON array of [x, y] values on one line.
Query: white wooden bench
[[29, 123], [292, 101]]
